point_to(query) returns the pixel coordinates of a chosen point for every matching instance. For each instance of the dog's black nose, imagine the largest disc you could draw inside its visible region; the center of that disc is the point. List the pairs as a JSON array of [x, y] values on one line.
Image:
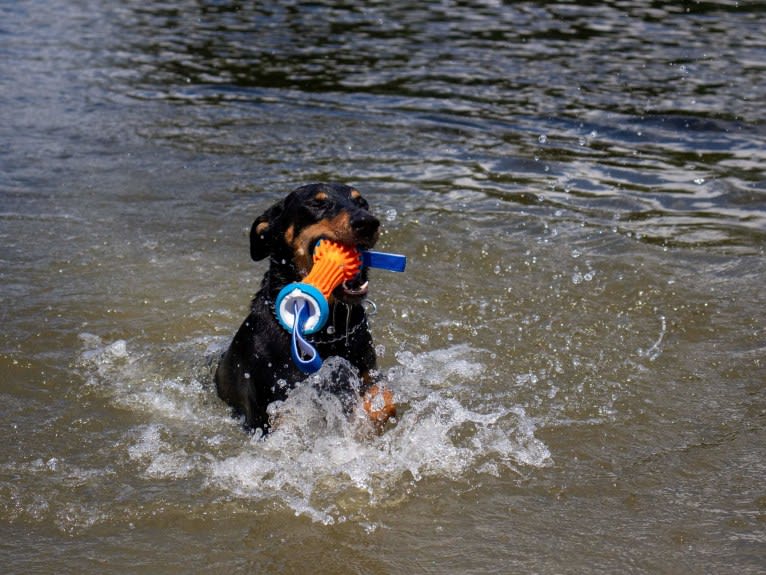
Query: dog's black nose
[[365, 225]]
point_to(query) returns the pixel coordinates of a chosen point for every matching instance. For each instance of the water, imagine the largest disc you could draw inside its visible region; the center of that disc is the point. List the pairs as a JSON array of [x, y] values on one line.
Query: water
[[577, 347]]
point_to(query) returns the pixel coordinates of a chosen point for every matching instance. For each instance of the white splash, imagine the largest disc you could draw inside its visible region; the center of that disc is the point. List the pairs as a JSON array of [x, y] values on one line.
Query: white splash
[[318, 461]]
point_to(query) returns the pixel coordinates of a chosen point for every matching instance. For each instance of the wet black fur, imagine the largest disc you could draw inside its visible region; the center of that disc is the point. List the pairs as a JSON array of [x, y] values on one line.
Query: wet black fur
[[257, 369]]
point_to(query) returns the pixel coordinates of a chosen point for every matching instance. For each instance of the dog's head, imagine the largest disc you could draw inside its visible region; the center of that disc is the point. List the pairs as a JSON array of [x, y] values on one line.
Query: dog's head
[[289, 230]]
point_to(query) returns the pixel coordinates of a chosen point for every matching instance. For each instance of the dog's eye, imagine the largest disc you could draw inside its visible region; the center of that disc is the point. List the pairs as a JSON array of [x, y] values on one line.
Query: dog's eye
[[362, 203], [320, 203], [319, 207]]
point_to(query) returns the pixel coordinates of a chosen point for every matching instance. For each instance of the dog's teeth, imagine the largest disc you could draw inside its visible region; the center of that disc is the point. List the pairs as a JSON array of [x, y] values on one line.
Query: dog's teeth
[[355, 291]]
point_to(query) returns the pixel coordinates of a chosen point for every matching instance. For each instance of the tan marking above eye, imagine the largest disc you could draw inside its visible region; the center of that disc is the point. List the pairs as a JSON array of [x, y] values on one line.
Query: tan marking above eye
[[321, 196], [355, 195], [261, 228]]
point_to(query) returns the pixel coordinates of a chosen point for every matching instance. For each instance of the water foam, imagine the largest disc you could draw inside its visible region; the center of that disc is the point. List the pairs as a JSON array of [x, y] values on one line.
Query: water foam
[[318, 461]]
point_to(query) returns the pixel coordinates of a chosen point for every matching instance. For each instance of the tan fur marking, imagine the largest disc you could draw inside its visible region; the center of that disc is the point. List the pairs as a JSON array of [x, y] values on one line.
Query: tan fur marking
[[289, 234], [379, 405], [355, 195], [261, 228], [321, 196]]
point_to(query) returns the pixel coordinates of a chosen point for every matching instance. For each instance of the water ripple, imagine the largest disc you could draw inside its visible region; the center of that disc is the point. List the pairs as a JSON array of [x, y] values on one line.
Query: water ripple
[[565, 109]]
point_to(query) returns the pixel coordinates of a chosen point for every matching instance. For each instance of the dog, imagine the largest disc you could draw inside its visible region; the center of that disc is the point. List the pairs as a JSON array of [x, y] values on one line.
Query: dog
[[257, 369]]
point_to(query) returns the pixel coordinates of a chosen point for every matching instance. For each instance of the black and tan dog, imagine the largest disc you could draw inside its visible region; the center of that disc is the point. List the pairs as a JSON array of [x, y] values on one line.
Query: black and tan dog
[[257, 369]]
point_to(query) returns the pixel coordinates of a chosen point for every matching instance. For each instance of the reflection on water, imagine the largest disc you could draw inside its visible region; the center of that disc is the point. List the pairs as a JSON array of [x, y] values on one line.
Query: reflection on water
[[577, 346]]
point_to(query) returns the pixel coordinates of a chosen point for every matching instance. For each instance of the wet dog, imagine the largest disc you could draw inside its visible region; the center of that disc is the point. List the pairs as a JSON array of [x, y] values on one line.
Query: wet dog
[[258, 369]]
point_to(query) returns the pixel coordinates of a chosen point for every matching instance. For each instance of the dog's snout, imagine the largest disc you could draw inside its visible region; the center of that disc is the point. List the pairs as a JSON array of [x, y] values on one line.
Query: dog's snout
[[365, 225]]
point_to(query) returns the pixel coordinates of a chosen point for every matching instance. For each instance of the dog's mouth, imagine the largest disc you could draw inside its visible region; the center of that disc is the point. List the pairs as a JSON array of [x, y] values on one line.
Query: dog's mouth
[[352, 290]]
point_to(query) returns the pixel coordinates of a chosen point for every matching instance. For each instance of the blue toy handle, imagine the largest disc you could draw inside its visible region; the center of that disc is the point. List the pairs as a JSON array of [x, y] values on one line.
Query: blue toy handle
[[384, 261], [299, 346]]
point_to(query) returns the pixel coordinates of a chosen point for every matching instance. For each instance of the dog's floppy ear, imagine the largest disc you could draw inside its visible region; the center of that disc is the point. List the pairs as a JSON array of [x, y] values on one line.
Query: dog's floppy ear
[[263, 232]]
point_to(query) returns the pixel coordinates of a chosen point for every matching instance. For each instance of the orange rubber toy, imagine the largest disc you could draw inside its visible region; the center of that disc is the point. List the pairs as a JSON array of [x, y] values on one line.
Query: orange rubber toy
[[334, 263]]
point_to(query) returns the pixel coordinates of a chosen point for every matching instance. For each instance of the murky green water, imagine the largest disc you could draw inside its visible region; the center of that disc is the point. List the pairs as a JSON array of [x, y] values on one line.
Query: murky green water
[[577, 347]]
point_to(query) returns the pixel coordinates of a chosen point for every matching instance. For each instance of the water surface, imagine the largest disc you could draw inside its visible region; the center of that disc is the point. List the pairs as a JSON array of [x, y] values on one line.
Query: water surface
[[577, 345]]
